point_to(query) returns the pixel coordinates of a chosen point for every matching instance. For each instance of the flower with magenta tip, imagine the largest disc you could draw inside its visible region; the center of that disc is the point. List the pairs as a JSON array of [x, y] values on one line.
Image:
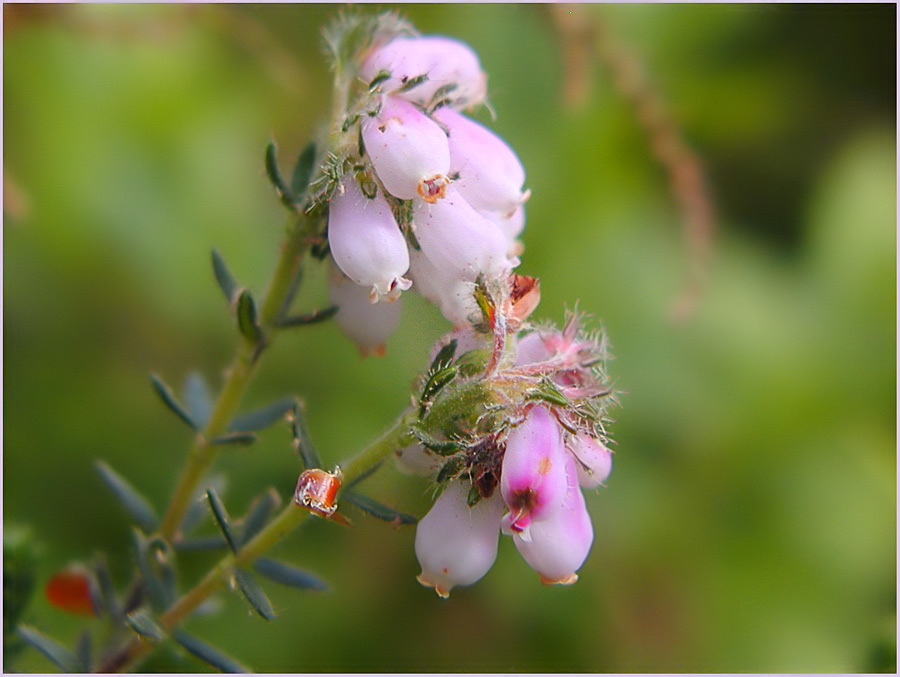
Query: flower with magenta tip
[[366, 242], [457, 544], [559, 545], [409, 151], [446, 64], [533, 474]]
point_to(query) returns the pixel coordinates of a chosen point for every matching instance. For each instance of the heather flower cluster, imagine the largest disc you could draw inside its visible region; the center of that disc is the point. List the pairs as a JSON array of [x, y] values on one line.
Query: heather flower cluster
[[425, 198], [431, 199], [520, 468]]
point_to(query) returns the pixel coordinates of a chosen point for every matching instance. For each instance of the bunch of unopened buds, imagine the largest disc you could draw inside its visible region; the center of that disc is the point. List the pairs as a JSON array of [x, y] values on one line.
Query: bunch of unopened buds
[[425, 198]]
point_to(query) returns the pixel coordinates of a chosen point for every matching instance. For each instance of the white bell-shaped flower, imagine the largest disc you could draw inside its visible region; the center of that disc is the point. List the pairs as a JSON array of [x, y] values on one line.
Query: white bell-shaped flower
[[456, 544], [459, 241], [491, 176], [409, 151], [451, 295], [365, 323], [593, 460], [559, 545], [447, 65], [366, 242]]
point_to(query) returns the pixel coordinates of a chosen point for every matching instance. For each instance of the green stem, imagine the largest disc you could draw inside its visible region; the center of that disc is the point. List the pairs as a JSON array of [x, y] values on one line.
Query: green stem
[[277, 530], [202, 454]]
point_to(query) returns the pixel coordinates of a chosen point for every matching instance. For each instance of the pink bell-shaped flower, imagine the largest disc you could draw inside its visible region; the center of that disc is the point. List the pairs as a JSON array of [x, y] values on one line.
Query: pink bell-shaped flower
[[533, 472], [451, 295], [456, 544], [559, 545], [458, 241], [368, 325], [593, 460], [366, 241], [446, 64], [409, 151], [531, 349], [490, 173]]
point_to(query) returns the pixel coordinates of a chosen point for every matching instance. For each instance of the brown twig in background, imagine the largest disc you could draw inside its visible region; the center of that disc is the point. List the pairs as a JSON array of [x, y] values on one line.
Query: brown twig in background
[[583, 36]]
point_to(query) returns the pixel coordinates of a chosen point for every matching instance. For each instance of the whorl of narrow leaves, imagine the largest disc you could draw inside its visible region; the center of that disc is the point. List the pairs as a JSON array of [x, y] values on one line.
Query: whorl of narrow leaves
[[138, 507], [197, 398]]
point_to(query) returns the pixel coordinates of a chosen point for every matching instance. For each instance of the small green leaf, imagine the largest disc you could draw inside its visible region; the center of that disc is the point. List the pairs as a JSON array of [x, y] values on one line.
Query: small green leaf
[[259, 513], [380, 77], [288, 575], [207, 653], [274, 174], [379, 510], [413, 82], [198, 508], [234, 438], [141, 622], [254, 594], [433, 444], [444, 356], [248, 319], [303, 171], [302, 443], [224, 278], [449, 470], [261, 418], [308, 318], [222, 519], [56, 652], [548, 392], [167, 396], [434, 384], [197, 398], [138, 507]]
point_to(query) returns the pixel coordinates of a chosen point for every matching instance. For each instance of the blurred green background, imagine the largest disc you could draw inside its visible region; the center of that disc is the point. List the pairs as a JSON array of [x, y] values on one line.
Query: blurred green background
[[750, 520]]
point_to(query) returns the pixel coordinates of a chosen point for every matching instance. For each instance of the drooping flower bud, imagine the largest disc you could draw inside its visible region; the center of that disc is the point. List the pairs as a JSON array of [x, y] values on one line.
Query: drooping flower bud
[[366, 241], [459, 241], [456, 544], [490, 173], [368, 325], [559, 545], [409, 151], [533, 473], [593, 460], [446, 64]]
